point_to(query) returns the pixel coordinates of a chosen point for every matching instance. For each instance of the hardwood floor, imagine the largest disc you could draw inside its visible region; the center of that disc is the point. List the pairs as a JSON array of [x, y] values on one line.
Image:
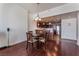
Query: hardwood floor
[[64, 48], [69, 48]]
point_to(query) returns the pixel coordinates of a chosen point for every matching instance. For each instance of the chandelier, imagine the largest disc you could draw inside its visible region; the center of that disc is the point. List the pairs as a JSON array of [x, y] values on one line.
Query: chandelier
[[37, 18]]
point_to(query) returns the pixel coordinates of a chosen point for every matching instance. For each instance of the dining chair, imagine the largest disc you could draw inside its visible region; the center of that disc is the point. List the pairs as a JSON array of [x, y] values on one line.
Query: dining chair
[[30, 39], [44, 38], [31, 32]]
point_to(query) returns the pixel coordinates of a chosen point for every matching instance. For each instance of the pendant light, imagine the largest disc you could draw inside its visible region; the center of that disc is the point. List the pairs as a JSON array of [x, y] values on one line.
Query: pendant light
[[38, 17]]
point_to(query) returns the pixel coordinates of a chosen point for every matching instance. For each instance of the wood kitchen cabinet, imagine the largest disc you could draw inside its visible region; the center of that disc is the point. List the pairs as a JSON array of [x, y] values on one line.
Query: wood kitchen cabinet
[[44, 24]]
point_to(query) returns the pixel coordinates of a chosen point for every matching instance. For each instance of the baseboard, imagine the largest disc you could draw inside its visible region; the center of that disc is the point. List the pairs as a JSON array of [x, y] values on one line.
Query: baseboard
[[17, 43], [3, 47], [68, 39]]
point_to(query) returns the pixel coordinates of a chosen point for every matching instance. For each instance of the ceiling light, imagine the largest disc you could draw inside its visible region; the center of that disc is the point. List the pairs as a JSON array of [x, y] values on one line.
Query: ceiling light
[[38, 17]]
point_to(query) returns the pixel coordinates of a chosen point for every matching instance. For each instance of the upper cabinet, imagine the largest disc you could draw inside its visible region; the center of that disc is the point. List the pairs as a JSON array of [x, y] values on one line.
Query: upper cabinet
[[48, 22]]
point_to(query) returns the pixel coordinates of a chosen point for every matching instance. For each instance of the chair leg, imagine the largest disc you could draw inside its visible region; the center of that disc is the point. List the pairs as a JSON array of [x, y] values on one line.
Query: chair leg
[[45, 46], [32, 45], [27, 45]]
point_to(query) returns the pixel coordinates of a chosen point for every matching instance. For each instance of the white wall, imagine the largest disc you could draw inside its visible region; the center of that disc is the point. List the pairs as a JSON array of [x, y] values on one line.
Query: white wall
[[68, 26], [32, 23], [3, 40], [15, 18]]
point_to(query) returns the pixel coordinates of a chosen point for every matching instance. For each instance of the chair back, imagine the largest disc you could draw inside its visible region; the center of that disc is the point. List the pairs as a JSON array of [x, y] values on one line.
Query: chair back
[[31, 32], [39, 31], [29, 36]]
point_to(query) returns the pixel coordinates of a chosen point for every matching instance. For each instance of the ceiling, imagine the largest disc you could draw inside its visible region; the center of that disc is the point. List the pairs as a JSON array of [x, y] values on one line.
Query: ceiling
[[32, 7]]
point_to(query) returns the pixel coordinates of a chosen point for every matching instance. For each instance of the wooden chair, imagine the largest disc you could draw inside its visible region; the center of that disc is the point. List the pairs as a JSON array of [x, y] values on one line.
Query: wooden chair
[[31, 32], [48, 34], [39, 32], [30, 39], [44, 38]]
